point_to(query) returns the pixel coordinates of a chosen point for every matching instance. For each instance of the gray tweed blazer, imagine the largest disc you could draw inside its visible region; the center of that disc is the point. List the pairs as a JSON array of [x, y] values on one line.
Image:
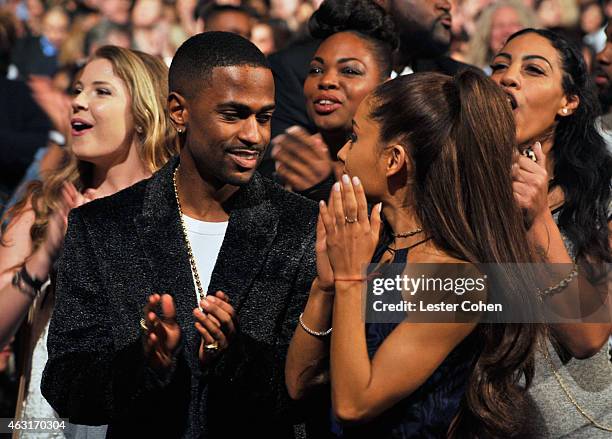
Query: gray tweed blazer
[[122, 248]]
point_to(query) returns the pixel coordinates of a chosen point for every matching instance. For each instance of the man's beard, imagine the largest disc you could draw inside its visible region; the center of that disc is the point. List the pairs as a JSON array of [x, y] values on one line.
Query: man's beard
[[424, 43], [605, 99]]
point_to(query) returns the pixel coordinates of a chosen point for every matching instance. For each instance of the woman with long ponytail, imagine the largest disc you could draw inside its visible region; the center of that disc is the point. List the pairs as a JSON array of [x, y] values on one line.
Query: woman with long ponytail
[[434, 155]]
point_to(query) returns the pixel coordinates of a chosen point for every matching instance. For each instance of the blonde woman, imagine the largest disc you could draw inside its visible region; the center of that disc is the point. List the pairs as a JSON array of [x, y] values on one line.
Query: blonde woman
[[493, 27], [120, 135]]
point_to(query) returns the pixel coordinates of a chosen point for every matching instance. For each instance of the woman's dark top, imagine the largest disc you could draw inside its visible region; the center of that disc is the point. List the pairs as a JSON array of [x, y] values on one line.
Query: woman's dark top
[[429, 411]]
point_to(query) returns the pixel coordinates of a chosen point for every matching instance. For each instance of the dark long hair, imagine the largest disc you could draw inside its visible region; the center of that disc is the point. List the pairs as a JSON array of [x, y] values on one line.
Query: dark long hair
[[583, 164], [460, 134]]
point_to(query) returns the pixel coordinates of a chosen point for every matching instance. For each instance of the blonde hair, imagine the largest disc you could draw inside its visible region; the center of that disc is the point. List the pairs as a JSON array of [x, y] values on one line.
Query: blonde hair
[[146, 79], [479, 51]]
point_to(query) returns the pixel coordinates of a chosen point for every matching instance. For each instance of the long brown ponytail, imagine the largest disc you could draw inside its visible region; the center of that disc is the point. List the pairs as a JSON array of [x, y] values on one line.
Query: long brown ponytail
[[460, 135]]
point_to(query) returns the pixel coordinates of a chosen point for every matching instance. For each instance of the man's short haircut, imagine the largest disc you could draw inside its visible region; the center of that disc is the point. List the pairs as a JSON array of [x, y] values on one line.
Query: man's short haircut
[[194, 61]]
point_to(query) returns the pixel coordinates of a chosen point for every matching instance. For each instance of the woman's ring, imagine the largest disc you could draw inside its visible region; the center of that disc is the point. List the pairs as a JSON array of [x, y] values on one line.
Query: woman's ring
[[350, 221]]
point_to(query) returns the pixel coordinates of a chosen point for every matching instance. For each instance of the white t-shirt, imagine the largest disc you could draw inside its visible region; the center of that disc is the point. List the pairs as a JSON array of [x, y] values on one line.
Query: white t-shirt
[[205, 239]]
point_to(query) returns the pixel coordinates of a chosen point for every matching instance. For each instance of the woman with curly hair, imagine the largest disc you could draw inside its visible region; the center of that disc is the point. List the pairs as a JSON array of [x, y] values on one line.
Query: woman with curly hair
[[353, 58], [120, 135], [565, 190]]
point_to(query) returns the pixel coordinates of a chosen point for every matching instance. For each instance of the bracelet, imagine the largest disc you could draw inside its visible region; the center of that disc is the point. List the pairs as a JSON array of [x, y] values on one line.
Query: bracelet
[[561, 285], [311, 332], [350, 279]]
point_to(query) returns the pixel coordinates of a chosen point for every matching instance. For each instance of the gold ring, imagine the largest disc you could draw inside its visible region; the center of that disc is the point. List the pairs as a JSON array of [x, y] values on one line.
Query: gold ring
[[350, 221], [212, 347], [143, 325]]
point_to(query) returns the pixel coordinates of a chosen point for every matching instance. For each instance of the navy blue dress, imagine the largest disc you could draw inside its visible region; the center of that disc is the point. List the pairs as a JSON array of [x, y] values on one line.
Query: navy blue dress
[[429, 411]]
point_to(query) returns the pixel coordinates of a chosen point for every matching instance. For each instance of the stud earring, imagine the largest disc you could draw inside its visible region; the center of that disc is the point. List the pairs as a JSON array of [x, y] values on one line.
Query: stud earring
[[139, 129], [564, 111], [180, 130]]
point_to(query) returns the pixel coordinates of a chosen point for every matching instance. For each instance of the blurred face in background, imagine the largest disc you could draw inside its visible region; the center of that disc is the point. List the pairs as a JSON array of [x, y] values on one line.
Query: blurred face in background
[[55, 27], [230, 21], [343, 71], [116, 11], [262, 36], [591, 18], [505, 22], [115, 37], [146, 13], [102, 121], [284, 9], [36, 8]]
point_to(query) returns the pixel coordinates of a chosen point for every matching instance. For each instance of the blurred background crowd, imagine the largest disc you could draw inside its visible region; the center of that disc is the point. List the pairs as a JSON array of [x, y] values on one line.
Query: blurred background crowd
[[54, 36], [44, 43]]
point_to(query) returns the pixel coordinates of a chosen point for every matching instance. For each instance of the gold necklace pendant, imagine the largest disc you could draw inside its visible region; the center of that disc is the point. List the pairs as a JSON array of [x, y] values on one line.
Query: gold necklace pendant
[[192, 262]]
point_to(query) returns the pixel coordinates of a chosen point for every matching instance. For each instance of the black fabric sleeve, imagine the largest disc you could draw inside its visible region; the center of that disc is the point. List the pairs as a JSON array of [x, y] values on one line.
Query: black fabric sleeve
[[297, 302], [91, 377]]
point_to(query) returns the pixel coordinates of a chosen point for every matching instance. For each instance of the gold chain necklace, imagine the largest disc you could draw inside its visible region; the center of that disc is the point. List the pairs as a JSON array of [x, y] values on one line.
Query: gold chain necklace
[[569, 395], [407, 234], [192, 262]]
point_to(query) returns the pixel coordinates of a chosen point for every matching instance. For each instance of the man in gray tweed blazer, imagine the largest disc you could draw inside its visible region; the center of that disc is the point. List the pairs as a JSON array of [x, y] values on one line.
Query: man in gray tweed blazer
[[176, 364]]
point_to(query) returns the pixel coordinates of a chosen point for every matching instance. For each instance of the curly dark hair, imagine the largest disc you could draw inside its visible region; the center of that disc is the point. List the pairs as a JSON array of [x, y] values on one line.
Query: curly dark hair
[[365, 18], [583, 164]]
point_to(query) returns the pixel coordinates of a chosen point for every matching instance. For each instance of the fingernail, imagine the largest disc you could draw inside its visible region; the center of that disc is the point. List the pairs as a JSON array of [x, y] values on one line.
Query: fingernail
[[379, 207], [337, 187], [538, 144], [356, 181], [212, 299], [321, 203], [346, 179]]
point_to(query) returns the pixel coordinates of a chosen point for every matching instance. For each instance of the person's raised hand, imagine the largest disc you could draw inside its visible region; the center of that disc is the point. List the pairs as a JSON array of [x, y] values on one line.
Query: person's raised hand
[[301, 160], [163, 333], [530, 184], [217, 324], [351, 237]]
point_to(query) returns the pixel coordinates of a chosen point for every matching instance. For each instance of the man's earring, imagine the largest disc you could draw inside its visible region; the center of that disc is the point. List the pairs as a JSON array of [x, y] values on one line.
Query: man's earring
[[564, 111]]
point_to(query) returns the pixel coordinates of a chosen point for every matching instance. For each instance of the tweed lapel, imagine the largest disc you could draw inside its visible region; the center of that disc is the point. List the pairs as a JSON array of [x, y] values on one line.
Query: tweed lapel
[[250, 234], [160, 235]]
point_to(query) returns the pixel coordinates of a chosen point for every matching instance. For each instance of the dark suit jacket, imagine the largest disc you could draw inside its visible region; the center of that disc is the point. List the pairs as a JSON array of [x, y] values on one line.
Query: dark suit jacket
[[122, 248], [24, 128]]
